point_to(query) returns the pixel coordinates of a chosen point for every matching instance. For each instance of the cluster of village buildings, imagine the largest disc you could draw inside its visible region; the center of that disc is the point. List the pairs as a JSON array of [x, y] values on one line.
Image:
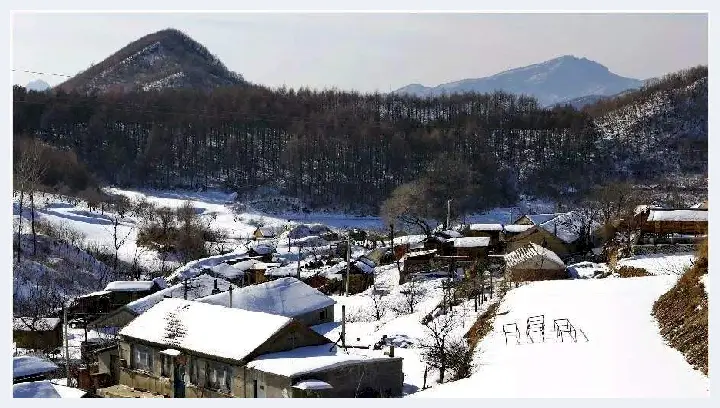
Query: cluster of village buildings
[[248, 326]]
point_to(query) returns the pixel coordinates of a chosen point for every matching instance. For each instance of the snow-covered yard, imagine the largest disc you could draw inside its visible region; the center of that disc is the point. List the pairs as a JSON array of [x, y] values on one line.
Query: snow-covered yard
[[624, 356], [660, 264]]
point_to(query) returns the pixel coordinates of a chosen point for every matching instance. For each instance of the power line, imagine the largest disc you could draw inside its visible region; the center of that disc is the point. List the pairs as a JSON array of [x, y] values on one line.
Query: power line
[[42, 73]]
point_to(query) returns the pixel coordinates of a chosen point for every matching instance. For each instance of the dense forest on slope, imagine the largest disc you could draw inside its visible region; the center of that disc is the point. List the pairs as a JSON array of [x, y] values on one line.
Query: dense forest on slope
[[346, 150], [327, 148], [658, 130]]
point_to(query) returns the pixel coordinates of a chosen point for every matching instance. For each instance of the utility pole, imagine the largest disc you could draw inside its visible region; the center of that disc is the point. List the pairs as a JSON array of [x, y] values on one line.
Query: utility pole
[[230, 291], [67, 348], [342, 333], [447, 223], [347, 272], [299, 255]]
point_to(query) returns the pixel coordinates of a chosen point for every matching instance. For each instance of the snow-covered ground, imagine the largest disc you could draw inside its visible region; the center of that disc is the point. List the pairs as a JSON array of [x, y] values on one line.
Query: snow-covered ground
[[624, 355], [660, 264]]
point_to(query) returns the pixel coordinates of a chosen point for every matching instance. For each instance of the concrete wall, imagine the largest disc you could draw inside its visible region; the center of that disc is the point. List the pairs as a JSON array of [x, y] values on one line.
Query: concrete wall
[[553, 243], [39, 340], [314, 317], [382, 378]]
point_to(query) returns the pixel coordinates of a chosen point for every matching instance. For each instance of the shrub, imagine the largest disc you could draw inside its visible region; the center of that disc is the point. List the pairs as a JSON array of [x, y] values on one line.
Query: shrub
[[631, 272]]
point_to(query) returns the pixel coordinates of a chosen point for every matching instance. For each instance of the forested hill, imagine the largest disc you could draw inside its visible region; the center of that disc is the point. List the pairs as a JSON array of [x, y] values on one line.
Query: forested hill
[[348, 151], [327, 148], [165, 59], [660, 129]]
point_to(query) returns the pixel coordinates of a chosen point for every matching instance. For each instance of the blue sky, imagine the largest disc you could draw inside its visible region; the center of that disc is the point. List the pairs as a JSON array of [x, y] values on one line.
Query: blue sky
[[369, 52]]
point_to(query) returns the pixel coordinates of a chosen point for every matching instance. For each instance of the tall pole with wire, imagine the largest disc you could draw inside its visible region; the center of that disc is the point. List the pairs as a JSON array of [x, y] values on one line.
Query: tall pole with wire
[[67, 348], [447, 221], [347, 272]]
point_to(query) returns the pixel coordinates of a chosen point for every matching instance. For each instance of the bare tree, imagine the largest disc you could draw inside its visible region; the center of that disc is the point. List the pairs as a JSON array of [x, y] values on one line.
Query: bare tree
[[436, 348], [408, 205], [378, 304], [29, 169], [412, 294]]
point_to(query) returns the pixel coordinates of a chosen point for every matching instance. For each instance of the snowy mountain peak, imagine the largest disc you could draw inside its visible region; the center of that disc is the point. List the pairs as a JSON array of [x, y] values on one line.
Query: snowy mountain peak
[[38, 85], [553, 81]]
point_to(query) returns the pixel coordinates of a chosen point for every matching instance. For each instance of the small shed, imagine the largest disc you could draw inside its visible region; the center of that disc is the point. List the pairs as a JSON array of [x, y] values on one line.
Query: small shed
[[42, 333], [32, 368], [686, 221], [264, 233], [46, 389], [533, 262]]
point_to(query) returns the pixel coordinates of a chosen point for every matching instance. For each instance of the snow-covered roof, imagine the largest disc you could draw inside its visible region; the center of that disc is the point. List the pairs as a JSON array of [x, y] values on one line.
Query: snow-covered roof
[[199, 286], [470, 242], [486, 227], [364, 267], [45, 389], [450, 234], [25, 366], [566, 226], [287, 297], [31, 324], [205, 328], [419, 253], [689, 215], [517, 228], [129, 286], [305, 360], [533, 256], [195, 268], [231, 271], [267, 232], [312, 385], [538, 219], [93, 294], [263, 249], [408, 239]]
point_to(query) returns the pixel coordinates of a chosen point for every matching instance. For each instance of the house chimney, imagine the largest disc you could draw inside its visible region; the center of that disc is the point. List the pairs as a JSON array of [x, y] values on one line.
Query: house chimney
[[392, 350], [215, 290]]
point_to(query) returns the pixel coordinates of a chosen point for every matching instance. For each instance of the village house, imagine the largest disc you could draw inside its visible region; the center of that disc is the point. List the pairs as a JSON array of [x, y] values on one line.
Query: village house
[[471, 247], [287, 297], [532, 262], [181, 348], [407, 243], [266, 233], [668, 222], [492, 231], [42, 333], [198, 287], [557, 232]]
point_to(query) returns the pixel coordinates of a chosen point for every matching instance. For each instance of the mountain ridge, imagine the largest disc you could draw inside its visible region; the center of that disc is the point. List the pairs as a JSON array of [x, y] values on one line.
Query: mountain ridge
[[167, 58], [551, 82]]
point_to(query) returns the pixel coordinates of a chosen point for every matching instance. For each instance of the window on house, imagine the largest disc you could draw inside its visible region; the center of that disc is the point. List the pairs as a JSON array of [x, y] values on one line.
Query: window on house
[[323, 314], [142, 358], [166, 365], [293, 340], [218, 377]]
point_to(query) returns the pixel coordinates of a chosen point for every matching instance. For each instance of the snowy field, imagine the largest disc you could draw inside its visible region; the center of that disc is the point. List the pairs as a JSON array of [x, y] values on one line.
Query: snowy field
[[660, 264], [624, 355]]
